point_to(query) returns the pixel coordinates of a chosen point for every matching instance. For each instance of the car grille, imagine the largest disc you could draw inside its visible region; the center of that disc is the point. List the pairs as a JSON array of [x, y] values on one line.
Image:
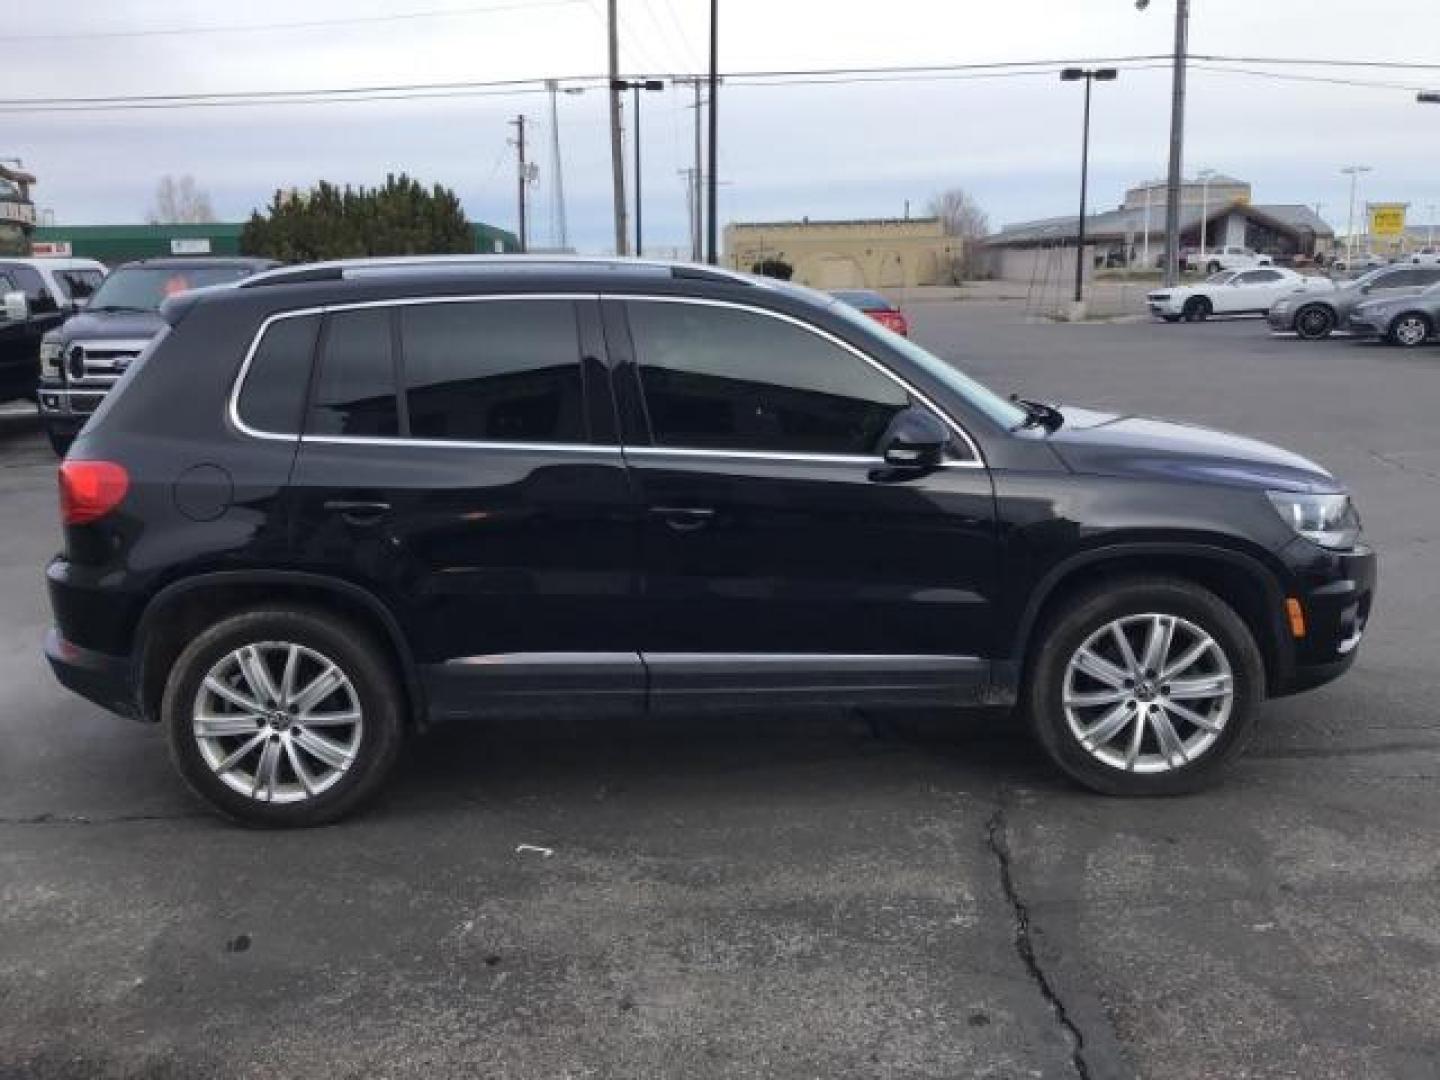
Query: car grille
[[100, 363]]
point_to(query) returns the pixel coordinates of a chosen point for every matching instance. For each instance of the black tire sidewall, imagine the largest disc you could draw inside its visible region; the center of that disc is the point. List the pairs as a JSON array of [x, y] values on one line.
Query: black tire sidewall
[[1086, 613], [1395, 328], [348, 647], [1196, 309], [1300, 322]]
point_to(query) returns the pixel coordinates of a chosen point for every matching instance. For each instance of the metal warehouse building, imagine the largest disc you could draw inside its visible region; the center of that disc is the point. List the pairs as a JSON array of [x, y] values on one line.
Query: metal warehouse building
[[113, 244]]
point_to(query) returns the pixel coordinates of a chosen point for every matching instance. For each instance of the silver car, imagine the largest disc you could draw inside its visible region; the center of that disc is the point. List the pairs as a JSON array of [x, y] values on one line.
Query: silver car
[[1407, 321], [1314, 317]]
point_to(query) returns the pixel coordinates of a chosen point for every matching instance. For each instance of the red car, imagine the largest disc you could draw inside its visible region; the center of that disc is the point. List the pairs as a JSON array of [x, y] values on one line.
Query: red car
[[876, 306]]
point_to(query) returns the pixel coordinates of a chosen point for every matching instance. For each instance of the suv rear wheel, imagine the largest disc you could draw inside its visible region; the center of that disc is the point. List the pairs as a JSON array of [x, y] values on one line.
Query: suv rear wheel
[[1147, 687], [283, 716]]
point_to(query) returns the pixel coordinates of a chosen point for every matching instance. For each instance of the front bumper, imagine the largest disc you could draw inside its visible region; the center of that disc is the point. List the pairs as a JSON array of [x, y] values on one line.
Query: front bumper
[[1369, 325], [1281, 321], [1336, 590], [65, 409], [1162, 307], [106, 680]]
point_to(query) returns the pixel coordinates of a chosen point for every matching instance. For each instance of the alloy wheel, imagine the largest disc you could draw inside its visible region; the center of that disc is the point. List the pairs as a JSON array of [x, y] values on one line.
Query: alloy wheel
[[277, 722], [1313, 322], [1411, 330], [1148, 693]]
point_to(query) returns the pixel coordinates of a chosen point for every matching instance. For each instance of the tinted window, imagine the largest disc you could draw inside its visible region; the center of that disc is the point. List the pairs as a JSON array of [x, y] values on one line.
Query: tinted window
[[356, 390], [29, 281], [497, 371], [1426, 275], [722, 378], [274, 392], [1258, 277], [144, 288]]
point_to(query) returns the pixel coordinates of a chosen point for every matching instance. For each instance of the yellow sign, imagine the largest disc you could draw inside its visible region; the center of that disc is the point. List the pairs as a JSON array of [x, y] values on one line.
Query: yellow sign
[[1387, 219]]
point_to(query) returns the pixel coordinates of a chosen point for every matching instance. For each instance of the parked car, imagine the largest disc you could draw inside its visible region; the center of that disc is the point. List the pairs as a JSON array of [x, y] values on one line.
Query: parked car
[[883, 311], [557, 487], [1426, 256], [82, 359], [1406, 321], [1359, 263], [1232, 292], [1214, 260], [1314, 316], [38, 295]]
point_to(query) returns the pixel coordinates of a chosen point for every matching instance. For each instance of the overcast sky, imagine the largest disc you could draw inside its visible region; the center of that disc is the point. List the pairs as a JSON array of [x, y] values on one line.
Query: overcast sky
[[786, 151]]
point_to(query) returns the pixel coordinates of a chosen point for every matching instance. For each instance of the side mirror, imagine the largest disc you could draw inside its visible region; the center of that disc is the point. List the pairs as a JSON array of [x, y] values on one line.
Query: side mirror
[[915, 441], [16, 307]]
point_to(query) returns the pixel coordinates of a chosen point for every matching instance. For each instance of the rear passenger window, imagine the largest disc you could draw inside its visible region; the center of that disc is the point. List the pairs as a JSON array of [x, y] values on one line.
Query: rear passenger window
[[493, 371], [273, 396], [355, 394]]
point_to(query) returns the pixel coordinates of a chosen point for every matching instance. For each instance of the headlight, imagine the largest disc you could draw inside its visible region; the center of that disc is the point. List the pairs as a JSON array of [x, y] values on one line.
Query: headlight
[[1329, 520], [50, 359]]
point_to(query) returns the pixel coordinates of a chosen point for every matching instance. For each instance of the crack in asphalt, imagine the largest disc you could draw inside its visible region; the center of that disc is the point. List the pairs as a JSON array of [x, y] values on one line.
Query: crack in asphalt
[[1414, 470], [82, 819], [995, 839]]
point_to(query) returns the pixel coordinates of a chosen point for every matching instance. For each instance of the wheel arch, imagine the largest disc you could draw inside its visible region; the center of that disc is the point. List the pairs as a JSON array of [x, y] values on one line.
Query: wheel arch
[[183, 608], [1242, 581]]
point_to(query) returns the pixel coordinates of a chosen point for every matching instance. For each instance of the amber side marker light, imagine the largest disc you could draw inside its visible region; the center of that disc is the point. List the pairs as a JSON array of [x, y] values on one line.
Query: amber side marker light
[[1296, 615]]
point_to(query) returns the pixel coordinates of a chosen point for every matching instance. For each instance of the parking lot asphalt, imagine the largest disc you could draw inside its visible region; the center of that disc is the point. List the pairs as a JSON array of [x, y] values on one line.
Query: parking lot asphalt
[[818, 896]]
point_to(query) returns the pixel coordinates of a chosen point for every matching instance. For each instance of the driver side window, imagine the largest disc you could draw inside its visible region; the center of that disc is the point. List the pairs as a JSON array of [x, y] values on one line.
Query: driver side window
[[721, 378]]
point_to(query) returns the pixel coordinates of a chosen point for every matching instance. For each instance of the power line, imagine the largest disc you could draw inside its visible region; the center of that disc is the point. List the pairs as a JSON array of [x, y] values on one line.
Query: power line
[[249, 28], [503, 87]]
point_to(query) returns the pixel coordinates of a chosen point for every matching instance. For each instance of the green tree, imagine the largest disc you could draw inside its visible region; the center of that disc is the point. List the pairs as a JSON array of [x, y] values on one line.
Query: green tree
[[401, 217]]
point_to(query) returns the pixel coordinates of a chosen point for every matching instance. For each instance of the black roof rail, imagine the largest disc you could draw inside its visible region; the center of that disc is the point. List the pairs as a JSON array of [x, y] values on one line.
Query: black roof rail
[[459, 265], [298, 275]]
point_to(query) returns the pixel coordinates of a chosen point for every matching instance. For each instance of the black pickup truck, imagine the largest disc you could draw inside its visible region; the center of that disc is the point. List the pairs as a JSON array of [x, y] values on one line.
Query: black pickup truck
[[83, 358], [38, 295]]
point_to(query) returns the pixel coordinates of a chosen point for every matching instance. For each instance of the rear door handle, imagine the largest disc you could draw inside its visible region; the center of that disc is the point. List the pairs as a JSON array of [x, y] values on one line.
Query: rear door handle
[[684, 518], [358, 511]]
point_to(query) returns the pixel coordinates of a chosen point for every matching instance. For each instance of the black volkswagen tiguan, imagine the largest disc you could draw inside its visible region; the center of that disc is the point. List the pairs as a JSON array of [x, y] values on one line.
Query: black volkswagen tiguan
[[333, 503]]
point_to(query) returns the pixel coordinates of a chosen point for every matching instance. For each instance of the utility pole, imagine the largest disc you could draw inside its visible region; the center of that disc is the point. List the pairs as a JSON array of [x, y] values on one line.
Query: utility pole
[[559, 233], [617, 150], [712, 247], [1354, 172], [1177, 138], [636, 85], [697, 178], [521, 177]]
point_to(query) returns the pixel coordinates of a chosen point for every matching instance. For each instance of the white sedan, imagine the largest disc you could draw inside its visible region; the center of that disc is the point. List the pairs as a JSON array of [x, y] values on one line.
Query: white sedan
[[1232, 292]]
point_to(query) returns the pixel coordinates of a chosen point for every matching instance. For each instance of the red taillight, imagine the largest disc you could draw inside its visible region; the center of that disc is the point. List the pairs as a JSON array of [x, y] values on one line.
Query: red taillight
[[894, 320], [90, 489]]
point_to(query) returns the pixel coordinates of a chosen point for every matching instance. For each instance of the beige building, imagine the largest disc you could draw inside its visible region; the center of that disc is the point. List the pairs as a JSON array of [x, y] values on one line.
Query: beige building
[[878, 253]]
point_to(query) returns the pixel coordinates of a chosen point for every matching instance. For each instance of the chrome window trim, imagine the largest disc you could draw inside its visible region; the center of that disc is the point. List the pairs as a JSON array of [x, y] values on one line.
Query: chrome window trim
[[975, 461]]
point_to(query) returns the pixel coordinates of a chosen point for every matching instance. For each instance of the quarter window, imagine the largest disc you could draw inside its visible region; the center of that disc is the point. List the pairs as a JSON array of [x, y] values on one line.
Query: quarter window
[[273, 396], [355, 394], [493, 371], [729, 379]]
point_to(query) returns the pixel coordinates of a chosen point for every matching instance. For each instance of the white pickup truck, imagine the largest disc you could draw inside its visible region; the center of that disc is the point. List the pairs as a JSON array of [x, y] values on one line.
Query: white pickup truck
[[1225, 258]]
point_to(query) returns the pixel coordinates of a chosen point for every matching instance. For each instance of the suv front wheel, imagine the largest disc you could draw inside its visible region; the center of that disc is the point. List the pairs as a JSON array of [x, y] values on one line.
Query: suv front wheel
[[1145, 687], [283, 716]]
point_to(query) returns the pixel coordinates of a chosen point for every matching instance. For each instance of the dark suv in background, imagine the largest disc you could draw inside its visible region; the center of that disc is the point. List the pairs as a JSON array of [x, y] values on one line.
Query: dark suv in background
[[81, 358], [334, 502]]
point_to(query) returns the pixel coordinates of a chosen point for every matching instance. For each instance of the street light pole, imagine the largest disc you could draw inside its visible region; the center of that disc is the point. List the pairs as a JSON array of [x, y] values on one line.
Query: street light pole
[[1089, 75], [1353, 171], [636, 86], [712, 248]]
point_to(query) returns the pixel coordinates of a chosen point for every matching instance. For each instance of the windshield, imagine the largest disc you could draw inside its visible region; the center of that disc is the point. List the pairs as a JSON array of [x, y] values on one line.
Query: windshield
[[1221, 278], [144, 288], [982, 397]]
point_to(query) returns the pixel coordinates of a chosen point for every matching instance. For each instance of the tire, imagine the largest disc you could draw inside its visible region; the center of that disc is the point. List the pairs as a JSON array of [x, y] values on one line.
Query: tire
[[1112, 768], [1409, 330], [1171, 318], [1314, 322], [1196, 309], [59, 443], [1213, 267], [304, 787]]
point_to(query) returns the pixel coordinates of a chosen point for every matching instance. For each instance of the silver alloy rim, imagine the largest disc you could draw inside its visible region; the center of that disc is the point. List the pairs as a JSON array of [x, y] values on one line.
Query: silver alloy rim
[[1410, 331], [1148, 693], [277, 722]]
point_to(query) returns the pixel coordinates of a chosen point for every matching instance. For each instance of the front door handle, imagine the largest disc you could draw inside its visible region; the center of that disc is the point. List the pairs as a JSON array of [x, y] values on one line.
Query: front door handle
[[684, 518], [358, 511]]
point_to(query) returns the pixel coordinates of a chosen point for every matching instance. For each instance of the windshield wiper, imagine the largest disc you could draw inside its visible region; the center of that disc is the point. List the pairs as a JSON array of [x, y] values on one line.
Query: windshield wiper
[[1037, 414]]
